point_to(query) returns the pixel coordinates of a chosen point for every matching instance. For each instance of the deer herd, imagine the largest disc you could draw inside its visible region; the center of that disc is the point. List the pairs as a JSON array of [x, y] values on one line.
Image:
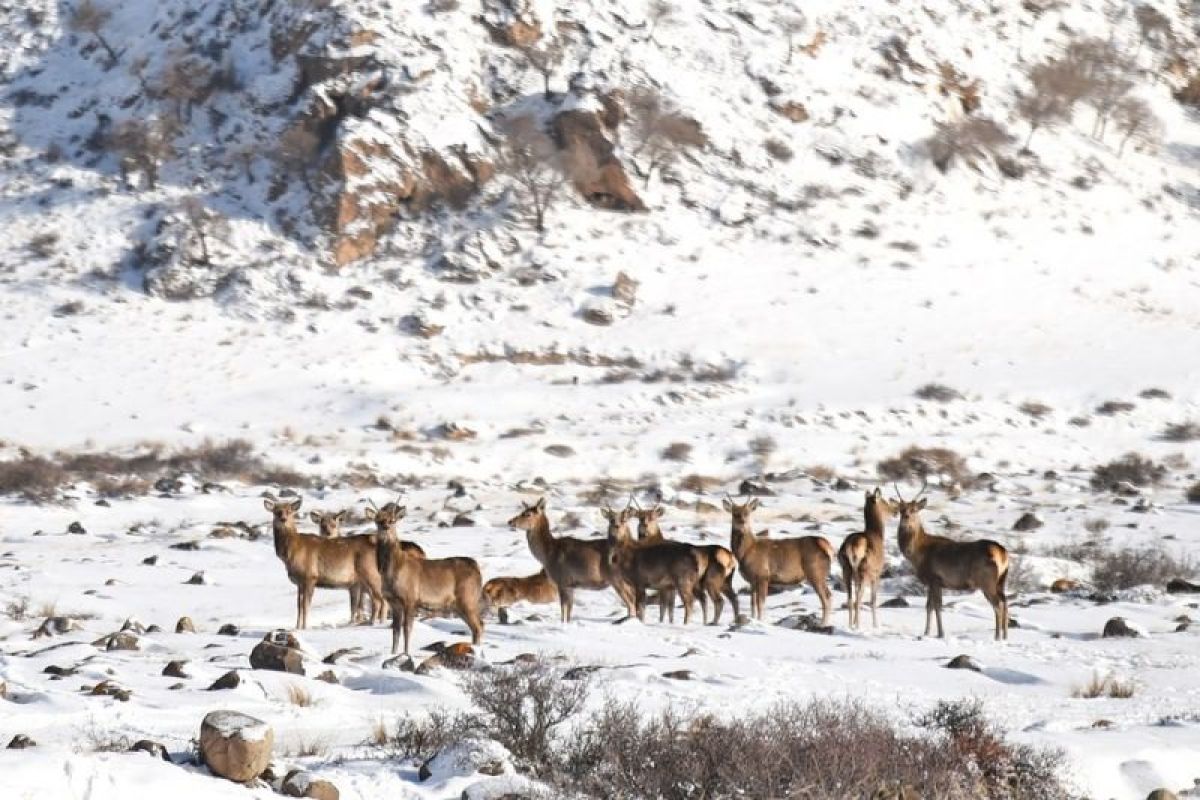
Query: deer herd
[[380, 567]]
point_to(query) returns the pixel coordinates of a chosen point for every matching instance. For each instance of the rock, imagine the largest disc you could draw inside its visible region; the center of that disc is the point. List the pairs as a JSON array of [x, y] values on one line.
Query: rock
[[624, 289], [742, 619], [598, 311], [1162, 794], [229, 629], [56, 625], [230, 680], [153, 748], [791, 110], [456, 656], [174, 669], [3, 690], [679, 675], [299, 783], [751, 489], [59, 672], [401, 662], [1180, 586], [235, 746], [184, 625], [123, 640], [810, 623], [1028, 522], [76, 527], [1118, 627], [964, 662], [150, 561], [328, 676], [20, 742], [153, 629], [189, 547], [1183, 626], [278, 651], [111, 689], [462, 521], [466, 757], [196, 580], [1061, 585], [895, 602], [333, 657], [606, 185]]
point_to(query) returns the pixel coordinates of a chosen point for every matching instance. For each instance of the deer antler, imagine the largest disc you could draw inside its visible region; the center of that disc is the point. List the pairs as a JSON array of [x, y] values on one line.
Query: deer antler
[[371, 503], [899, 496], [924, 486], [633, 502]]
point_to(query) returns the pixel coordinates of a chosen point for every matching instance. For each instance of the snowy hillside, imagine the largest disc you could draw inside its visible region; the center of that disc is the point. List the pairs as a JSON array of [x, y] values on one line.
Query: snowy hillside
[[251, 246]]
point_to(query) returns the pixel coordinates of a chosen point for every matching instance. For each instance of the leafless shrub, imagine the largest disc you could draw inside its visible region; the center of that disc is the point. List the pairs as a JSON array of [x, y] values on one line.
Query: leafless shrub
[[1137, 566], [1136, 122], [920, 463], [144, 145], [1154, 28], [31, 477], [299, 695], [530, 160], [699, 484], [543, 57], [1035, 409], [677, 451], [120, 486], [659, 133], [1056, 86], [1109, 72], [201, 225], [92, 738], [296, 153], [186, 79], [1110, 408], [763, 447], [970, 140], [306, 747], [91, 18], [17, 609], [1129, 468], [1154, 393], [44, 245], [1181, 432], [523, 705], [1105, 686], [778, 150], [1096, 525], [938, 392], [419, 738], [791, 24]]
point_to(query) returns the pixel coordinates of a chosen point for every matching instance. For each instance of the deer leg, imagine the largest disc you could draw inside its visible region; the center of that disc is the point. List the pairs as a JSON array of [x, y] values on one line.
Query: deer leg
[[410, 615], [474, 623], [377, 614], [702, 596], [937, 610], [848, 581], [397, 622], [761, 593], [687, 595], [930, 591], [564, 603], [874, 603], [306, 597], [727, 589], [355, 602], [299, 607]]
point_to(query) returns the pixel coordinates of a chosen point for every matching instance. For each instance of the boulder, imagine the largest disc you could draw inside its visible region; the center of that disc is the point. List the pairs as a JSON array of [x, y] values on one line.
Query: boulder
[[402, 662], [1180, 586], [604, 183], [122, 640], [230, 680], [1118, 627], [1061, 585], [184, 625], [174, 669], [964, 662], [1028, 522], [153, 748], [299, 783], [895, 602], [459, 655], [278, 651], [20, 742], [235, 746], [229, 629], [1162, 794]]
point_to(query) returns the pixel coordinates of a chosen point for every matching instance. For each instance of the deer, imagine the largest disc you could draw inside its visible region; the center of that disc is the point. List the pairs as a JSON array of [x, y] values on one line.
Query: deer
[[763, 561], [717, 574], [313, 561], [861, 557], [569, 562], [410, 581], [329, 523], [501, 593], [941, 563], [674, 567]]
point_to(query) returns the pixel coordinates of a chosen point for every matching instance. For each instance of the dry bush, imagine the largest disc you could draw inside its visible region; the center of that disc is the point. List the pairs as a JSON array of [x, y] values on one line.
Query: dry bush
[[1111, 408], [677, 451], [186, 79], [1056, 85], [530, 160], [970, 139], [763, 447], [1035, 409], [17, 609], [1137, 566], [1137, 122], [31, 477], [1129, 468], [1181, 432], [306, 747], [524, 705], [1154, 28], [1096, 525], [1105, 686], [938, 392], [543, 56], [799, 751], [660, 134], [144, 145], [299, 695], [1154, 393], [922, 463], [699, 484], [419, 738], [91, 18]]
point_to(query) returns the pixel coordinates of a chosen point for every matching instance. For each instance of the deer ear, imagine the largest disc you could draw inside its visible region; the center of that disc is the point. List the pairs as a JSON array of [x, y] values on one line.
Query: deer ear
[[540, 505], [727, 504], [878, 494], [315, 516], [657, 512], [268, 504], [753, 504], [341, 515], [296, 503], [921, 503], [607, 513], [401, 512]]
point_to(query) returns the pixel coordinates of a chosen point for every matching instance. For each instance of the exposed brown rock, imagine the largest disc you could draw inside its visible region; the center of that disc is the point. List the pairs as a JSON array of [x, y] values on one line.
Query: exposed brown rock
[[236, 746], [603, 182]]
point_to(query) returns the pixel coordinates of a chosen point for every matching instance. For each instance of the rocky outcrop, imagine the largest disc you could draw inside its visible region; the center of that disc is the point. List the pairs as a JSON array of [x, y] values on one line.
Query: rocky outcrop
[[595, 170], [236, 746]]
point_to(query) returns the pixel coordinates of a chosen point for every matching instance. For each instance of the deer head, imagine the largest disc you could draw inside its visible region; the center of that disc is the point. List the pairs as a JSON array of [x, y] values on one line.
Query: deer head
[[329, 522], [284, 512], [618, 523], [648, 518], [529, 516], [387, 517], [740, 513], [909, 512]]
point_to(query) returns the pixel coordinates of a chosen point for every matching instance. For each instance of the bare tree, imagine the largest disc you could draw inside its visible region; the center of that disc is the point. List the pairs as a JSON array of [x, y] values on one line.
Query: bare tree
[[1136, 121], [659, 134], [297, 152], [544, 57], [1154, 28], [90, 18], [1056, 86], [791, 24], [531, 161], [202, 224], [144, 144], [185, 80], [1108, 71], [970, 139]]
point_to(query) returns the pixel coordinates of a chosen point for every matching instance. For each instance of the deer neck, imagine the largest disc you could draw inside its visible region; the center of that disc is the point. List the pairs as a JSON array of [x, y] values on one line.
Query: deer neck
[[874, 522], [541, 541], [911, 539], [742, 539], [284, 534]]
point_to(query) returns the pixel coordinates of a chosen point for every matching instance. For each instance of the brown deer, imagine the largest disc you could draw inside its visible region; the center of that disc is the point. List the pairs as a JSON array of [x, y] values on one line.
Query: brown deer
[[313, 561], [861, 557], [942, 563], [504, 592], [412, 581], [764, 561], [329, 523], [718, 568], [673, 567], [571, 563]]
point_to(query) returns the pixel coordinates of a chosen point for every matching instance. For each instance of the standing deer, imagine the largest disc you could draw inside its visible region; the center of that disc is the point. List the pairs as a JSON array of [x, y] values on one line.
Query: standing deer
[[313, 561], [764, 561], [329, 523], [504, 592], [666, 566], [942, 563], [717, 574], [571, 563], [411, 581], [861, 557]]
